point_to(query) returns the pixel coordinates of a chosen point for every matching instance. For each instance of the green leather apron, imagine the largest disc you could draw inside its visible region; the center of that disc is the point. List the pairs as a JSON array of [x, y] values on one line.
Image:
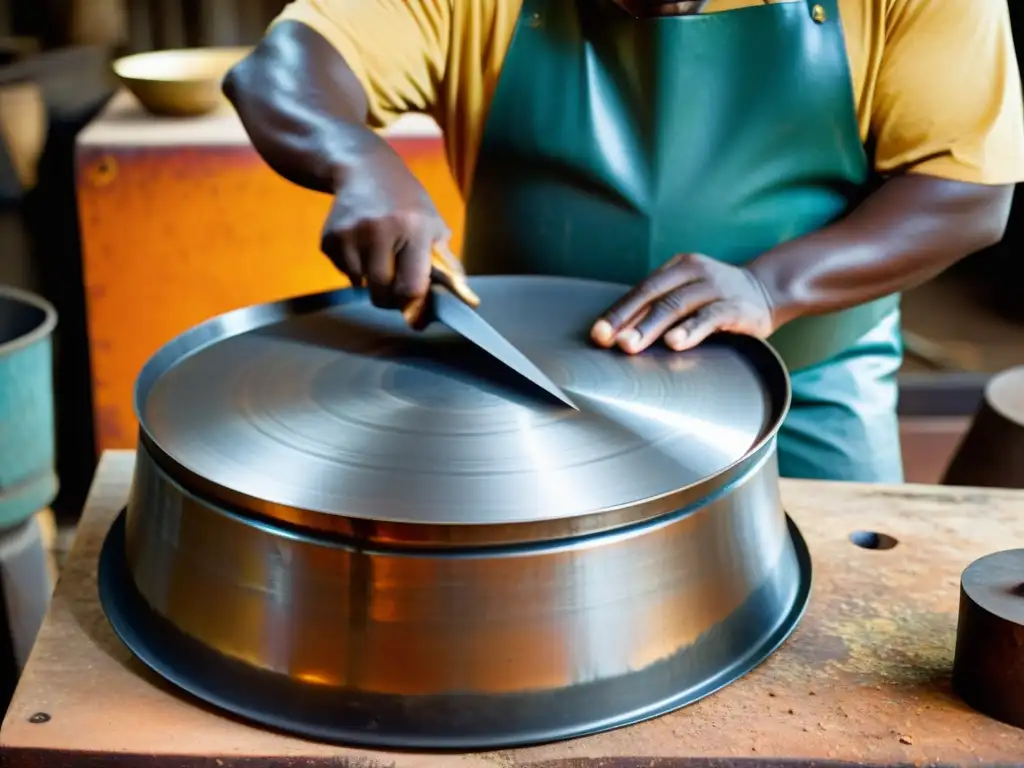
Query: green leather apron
[[613, 143]]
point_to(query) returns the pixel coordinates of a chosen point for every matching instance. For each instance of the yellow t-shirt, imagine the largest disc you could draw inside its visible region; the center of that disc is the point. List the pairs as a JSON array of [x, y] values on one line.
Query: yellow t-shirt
[[936, 82]]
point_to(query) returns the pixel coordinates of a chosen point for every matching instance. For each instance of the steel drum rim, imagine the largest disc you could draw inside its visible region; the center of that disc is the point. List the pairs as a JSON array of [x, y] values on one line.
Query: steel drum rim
[[532, 537], [117, 591], [247, 319], [454, 535]]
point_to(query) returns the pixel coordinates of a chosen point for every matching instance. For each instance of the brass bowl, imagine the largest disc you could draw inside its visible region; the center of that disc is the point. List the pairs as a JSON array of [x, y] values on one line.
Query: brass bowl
[[185, 82]]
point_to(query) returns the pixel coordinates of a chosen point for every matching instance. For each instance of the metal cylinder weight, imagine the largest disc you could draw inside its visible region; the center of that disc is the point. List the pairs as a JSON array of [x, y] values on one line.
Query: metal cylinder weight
[[988, 667]]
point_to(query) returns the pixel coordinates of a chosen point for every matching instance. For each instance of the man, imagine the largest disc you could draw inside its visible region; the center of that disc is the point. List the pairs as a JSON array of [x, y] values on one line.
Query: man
[[778, 168]]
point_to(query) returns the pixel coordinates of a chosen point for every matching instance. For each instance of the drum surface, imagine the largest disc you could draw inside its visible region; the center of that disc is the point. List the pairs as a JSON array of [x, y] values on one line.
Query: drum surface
[[355, 532], [345, 411], [469, 721]]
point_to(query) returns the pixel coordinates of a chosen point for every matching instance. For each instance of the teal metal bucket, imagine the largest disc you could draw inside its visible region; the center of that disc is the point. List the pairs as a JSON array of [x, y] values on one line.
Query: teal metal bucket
[[28, 478]]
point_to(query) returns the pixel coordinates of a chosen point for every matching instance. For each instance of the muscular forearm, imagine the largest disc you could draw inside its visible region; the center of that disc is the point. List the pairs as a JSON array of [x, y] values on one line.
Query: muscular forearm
[[911, 229], [303, 108], [306, 111]]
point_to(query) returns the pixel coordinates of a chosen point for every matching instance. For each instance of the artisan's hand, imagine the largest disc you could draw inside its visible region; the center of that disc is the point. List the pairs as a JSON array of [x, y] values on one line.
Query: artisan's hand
[[383, 229], [447, 271], [684, 302], [306, 113]]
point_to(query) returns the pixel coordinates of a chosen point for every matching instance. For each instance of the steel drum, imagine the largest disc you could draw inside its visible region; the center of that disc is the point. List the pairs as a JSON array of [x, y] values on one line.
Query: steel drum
[[355, 532]]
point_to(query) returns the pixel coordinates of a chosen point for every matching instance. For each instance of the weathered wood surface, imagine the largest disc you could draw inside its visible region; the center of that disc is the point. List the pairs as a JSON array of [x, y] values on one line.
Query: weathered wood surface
[[864, 680]]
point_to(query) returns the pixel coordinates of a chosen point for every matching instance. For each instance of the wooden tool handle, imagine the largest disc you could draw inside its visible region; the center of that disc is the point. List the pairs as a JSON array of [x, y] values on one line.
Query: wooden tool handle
[[445, 270]]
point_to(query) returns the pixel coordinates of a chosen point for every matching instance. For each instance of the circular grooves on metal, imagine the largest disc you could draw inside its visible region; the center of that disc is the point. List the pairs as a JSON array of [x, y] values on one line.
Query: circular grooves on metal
[[437, 722], [327, 414]]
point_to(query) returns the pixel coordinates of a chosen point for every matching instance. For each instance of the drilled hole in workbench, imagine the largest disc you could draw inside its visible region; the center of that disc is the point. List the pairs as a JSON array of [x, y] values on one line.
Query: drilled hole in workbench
[[873, 540]]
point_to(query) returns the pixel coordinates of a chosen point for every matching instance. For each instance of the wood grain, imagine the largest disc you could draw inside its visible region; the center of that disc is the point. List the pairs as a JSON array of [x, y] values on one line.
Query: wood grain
[[864, 679]]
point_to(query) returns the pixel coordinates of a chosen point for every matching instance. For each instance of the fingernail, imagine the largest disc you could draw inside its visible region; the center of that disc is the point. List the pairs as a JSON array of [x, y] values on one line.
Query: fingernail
[[602, 332], [630, 340], [675, 339]]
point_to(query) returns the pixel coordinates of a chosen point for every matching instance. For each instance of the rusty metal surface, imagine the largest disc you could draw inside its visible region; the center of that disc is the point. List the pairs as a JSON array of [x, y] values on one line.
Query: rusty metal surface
[[865, 680], [37, 759], [867, 675]]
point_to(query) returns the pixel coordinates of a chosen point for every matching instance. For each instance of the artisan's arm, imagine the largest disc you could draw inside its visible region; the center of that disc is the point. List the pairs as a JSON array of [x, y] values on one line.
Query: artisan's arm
[[911, 229], [306, 113], [303, 108], [945, 118]]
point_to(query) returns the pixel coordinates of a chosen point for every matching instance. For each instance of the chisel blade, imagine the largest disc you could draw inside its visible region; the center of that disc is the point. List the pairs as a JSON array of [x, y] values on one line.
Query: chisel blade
[[467, 322]]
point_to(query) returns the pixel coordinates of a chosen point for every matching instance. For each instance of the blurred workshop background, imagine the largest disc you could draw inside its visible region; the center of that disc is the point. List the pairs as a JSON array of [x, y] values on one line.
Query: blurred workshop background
[[135, 226]]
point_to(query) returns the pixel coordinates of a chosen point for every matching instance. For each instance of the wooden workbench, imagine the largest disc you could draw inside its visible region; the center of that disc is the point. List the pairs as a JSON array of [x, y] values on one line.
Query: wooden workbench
[[865, 679]]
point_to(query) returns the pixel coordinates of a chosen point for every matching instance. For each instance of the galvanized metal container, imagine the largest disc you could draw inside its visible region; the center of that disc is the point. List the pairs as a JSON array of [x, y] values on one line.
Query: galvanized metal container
[[28, 480], [355, 532]]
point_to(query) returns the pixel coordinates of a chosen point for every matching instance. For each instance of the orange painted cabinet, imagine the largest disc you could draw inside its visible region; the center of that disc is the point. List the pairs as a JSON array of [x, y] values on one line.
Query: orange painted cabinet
[[181, 221]]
